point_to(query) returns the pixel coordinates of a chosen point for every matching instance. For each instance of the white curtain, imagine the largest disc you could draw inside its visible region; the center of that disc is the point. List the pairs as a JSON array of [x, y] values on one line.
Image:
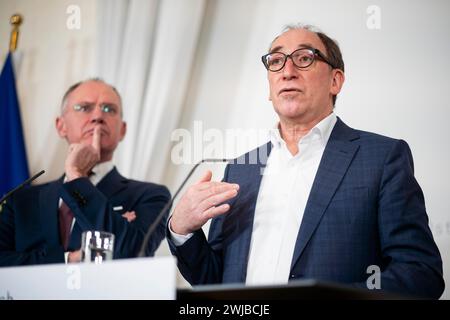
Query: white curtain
[[146, 48]]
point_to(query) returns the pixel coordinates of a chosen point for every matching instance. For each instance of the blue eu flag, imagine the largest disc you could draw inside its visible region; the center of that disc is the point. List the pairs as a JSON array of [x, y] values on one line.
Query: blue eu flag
[[13, 158]]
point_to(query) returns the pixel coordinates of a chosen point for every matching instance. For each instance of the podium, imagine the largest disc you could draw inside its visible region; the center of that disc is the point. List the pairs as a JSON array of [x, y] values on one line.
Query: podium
[[136, 279], [294, 290], [154, 279]]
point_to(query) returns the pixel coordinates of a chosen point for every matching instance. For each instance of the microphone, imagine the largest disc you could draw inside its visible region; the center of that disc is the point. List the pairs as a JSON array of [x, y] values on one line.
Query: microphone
[[20, 186], [164, 210]]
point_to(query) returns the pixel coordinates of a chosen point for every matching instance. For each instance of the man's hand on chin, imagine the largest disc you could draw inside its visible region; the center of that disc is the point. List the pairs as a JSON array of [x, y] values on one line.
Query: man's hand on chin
[[83, 157]]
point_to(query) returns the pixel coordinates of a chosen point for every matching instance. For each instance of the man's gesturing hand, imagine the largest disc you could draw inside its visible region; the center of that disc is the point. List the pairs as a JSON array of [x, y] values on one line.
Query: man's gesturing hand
[[82, 157], [198, 204]]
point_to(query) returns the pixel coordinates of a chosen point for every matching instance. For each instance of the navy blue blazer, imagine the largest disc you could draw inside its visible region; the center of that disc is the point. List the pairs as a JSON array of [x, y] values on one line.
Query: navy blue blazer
[[365, 208], [29, 228]]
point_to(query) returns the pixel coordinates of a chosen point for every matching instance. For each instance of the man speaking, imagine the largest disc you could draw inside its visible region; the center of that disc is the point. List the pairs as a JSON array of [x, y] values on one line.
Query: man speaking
[[332, 202]]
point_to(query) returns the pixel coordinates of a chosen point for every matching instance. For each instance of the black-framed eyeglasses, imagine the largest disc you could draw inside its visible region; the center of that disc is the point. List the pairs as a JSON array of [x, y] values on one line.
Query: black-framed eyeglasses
[[301, 58]]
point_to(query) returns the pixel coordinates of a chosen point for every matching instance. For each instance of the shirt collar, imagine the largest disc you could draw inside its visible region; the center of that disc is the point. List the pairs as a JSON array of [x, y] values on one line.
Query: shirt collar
[[326, 126], [100, 170], [323, 129]]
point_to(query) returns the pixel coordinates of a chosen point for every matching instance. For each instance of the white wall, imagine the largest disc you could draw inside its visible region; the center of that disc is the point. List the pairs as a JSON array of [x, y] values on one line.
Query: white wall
[[397, 77]]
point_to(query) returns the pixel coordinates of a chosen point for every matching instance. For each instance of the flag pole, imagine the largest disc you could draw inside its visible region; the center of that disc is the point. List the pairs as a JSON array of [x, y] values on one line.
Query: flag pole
[[16, 20]]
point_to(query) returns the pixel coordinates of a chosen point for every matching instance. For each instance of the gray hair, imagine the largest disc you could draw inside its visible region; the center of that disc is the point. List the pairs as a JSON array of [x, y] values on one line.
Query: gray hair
[[76, 85]]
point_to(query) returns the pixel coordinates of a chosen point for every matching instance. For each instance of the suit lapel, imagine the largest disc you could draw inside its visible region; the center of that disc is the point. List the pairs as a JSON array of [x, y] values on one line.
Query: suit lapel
[[112, 183], [48, 211], [49, 197], [336, 159]]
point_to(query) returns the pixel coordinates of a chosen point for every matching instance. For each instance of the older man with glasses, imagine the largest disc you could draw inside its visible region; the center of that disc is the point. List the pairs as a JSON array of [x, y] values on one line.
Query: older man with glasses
[[333, 203], [43, 224]]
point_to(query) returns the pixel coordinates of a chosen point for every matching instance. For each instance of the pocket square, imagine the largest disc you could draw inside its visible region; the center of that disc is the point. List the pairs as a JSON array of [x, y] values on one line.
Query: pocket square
[[130, 216]]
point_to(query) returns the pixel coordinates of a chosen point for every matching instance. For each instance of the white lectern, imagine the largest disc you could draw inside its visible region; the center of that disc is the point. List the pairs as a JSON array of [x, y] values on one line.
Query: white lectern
[[143, 278]]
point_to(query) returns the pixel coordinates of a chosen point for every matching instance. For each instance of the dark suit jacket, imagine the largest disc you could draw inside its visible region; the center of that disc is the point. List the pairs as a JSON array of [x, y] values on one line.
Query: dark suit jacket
[[365, 208], [29, 229]]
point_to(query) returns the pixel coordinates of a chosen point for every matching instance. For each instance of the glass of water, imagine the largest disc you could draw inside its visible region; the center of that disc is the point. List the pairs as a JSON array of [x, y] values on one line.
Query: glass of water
[[96, 246]]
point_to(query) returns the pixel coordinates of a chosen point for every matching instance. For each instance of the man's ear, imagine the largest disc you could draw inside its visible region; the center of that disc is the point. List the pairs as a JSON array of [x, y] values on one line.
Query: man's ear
[[60, 125], [337, 81], [123, 130]]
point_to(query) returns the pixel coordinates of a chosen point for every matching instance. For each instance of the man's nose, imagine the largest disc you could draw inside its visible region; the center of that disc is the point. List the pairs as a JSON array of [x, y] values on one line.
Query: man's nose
[[289, 70], [97, 115]]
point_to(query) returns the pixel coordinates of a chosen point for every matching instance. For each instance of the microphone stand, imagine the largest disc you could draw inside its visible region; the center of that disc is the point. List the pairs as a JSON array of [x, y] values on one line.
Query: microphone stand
[[20, 186], [164, 210]]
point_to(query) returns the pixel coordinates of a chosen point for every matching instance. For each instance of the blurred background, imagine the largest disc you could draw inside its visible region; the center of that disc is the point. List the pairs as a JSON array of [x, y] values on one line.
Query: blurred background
[[195, 65]]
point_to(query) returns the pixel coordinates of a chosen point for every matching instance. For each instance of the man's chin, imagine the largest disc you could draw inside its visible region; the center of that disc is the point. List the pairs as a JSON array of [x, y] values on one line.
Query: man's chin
[[291, 110]]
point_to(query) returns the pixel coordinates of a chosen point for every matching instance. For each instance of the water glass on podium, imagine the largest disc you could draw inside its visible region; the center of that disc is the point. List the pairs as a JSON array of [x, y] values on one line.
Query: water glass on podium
[[96, 246]]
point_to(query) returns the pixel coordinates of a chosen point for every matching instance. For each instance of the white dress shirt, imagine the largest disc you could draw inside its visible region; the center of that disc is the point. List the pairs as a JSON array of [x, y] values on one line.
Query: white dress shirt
[[99, 171], [282, 198], [283, 194]]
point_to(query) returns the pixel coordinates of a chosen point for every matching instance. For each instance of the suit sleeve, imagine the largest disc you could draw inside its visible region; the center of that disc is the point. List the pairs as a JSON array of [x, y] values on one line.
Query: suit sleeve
[[201, 262], [412, 262], [43, 254], [93, 211]]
